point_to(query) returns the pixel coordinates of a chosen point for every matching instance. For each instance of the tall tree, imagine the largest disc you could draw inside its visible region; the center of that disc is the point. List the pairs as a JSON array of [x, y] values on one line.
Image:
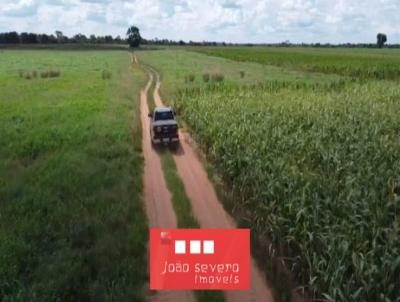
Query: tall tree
[[381, 39], [60, 36], [133, 36]]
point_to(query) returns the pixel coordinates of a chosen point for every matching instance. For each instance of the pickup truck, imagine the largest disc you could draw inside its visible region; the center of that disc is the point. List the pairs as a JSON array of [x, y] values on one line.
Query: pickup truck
[[163, 126]]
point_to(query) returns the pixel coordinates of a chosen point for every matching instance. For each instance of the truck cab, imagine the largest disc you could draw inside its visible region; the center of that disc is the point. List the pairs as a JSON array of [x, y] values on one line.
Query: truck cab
[[163, 126]]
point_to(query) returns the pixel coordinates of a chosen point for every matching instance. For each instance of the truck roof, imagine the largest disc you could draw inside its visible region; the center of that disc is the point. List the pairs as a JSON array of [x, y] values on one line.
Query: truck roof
[[162, 109]]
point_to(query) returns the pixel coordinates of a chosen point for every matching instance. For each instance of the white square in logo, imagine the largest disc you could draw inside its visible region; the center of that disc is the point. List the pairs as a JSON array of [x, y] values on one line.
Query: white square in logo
[[180, 247], [195, 246], [208, 247]]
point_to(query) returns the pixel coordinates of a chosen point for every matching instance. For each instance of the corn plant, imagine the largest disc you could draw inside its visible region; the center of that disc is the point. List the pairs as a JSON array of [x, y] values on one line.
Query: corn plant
[[316, 169]]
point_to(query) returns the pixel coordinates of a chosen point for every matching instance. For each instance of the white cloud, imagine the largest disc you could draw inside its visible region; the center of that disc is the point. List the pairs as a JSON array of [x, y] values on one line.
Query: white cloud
[[21, 8], [230, 20]]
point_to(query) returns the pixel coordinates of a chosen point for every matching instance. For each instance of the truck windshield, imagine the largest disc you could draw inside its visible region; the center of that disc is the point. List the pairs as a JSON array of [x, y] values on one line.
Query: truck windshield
[[162, 116]]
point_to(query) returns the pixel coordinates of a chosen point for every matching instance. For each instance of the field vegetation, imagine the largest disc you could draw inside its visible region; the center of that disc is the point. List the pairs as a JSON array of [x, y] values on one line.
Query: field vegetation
[[175, 67], [72, 226], [311, 159], [357, 63]]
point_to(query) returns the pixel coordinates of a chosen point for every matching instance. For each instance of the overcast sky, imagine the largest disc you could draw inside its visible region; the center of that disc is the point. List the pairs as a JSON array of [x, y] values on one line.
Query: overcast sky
[[334, 21]]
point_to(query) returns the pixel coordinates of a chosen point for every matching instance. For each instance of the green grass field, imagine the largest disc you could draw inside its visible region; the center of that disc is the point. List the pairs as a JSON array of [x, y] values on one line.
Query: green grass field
[[312, 158], [72, 226]]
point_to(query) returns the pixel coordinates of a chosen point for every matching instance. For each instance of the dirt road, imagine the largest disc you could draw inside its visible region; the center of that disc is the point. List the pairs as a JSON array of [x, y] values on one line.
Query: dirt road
[[209, 211], [158, 203]]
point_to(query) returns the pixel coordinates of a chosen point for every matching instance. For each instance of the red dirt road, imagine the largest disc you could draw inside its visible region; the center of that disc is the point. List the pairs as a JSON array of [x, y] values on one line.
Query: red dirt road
[[209, 211], [158, 203]]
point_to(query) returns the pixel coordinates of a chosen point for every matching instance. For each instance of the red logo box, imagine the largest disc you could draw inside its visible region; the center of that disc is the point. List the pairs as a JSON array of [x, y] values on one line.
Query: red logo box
[[190, 259]]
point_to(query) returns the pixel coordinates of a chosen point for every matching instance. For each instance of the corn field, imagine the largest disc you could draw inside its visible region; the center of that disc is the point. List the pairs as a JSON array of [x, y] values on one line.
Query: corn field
[[357, 63], [317, 169]]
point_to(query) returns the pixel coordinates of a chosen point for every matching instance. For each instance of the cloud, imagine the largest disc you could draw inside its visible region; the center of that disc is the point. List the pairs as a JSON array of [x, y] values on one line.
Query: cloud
[[230, 4], [220, 20], [22, 8], [66, 3], [96, 16], [96, 1]]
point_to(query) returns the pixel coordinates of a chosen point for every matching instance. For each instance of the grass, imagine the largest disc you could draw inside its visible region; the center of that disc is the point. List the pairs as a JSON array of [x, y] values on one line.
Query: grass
[[311, 160], [150, 93], [106, 75], [180, 200], [72, 223]]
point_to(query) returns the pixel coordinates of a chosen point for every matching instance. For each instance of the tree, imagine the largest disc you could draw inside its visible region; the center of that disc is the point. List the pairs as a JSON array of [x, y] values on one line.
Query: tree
[[43, 39], [9, 38], [133, 36], [118, 39], [92, 39], [79, 38], [28, 38], [23, 38], [60, 36], [108, 39], [381, 39], [100, 40]]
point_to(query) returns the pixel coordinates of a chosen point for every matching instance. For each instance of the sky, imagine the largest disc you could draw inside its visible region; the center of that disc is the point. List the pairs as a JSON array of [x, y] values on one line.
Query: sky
[[237, 21]]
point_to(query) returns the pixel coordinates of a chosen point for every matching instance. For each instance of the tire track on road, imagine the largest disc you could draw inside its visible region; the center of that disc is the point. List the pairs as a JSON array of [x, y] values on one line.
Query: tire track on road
[[157, 197]]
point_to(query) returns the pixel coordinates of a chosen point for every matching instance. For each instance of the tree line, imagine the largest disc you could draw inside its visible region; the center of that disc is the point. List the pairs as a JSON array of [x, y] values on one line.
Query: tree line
[[134, 39], [57, 38]]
